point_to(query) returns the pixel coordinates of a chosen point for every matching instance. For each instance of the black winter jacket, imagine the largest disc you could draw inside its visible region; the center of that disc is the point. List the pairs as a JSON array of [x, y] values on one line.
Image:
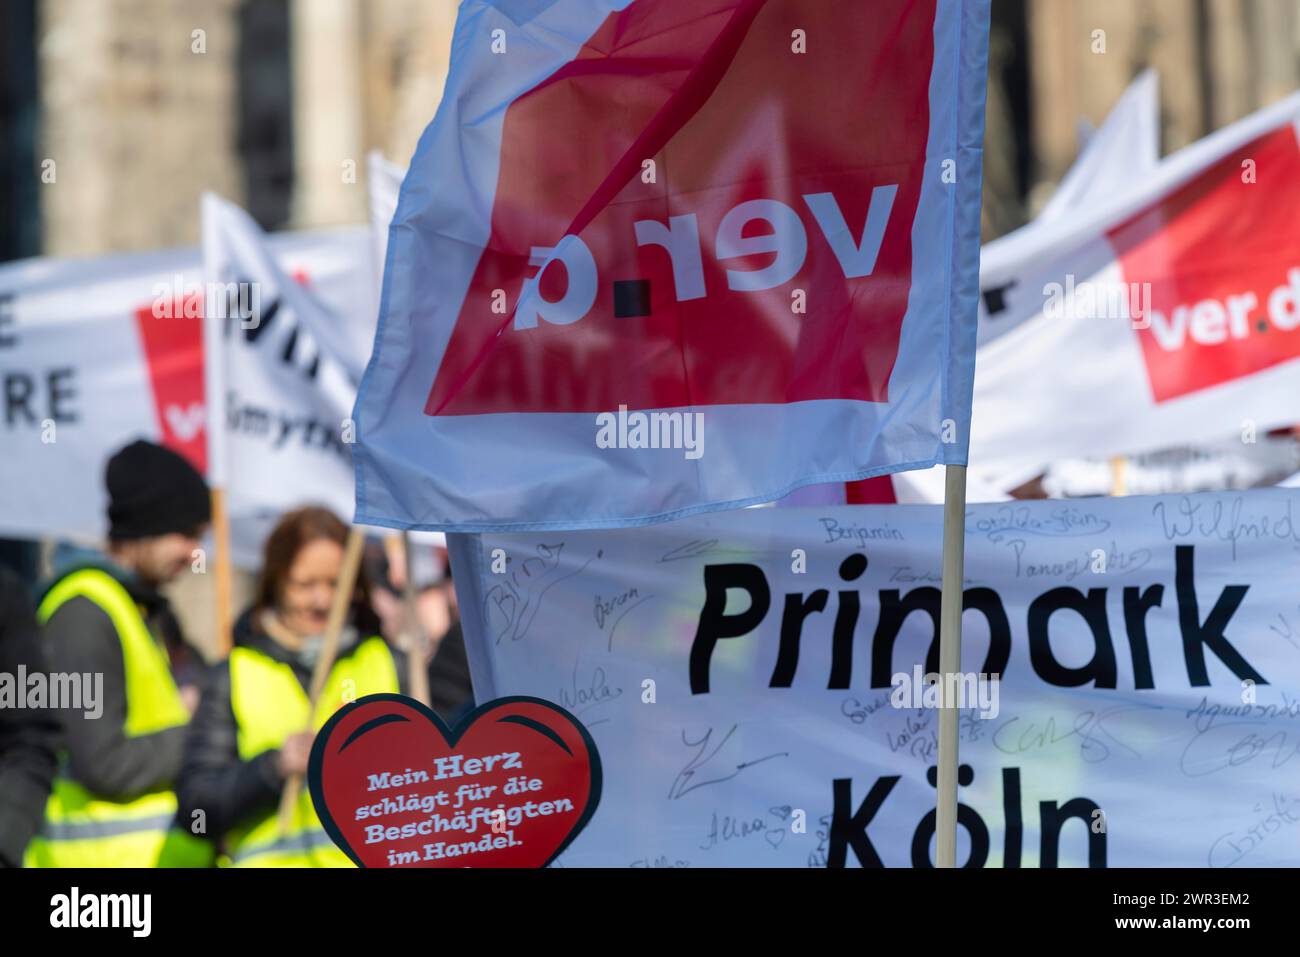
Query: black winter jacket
[[28, 737]]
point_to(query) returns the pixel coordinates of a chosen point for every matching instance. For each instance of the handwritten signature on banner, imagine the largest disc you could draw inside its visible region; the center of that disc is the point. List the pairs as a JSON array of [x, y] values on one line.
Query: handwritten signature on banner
[[1235, 743], [1281, 812], [727, 828], [1222, 520], [610, 611], [510, 607], [582, 698], [692, 549], [1110, 560], [919, 734], [1089, 730], [1286, 629], [702, 766], [1063, 521]]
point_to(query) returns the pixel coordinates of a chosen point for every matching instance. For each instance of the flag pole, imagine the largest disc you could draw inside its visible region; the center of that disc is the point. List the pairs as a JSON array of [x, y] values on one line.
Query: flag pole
[[1119, 484], [950, 608], [338, 617], [221, 537], [214, 398]]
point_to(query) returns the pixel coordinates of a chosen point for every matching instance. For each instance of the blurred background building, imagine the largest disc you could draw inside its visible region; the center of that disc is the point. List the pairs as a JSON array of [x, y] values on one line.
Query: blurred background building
[[141, 105]]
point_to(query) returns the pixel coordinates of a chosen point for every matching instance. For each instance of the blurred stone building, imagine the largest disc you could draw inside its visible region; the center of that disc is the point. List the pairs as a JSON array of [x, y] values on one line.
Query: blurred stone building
[[143, 104]]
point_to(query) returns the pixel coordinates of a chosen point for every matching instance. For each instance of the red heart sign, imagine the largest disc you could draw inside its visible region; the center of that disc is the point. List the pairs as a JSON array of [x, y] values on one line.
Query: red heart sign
[[510, 786]]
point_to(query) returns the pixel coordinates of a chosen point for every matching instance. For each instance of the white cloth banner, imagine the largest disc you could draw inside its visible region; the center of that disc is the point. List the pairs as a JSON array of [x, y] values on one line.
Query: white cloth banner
[[280, 396], [1168, 316], [97, 352], [737, 673]]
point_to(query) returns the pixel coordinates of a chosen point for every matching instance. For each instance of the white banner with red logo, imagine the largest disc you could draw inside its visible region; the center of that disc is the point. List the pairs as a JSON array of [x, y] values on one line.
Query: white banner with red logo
[[97, 352], [281, 380], [661, 258], [754, 682], [1168, 317]]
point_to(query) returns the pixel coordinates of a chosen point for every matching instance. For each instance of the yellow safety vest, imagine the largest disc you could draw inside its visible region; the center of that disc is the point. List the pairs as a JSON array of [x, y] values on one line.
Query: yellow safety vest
[[82, 829], [269, 705]]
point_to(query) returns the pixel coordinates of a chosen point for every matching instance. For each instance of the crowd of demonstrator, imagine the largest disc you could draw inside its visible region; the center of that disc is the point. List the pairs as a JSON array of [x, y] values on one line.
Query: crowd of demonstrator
[[182, 763]]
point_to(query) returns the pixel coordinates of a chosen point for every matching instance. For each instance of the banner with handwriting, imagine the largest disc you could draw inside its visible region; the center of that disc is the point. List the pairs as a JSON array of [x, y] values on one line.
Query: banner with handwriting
[[757, 680]]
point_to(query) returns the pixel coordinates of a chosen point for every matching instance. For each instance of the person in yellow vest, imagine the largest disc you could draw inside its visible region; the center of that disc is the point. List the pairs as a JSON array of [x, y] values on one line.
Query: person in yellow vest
[[249, 734], [112, 803]]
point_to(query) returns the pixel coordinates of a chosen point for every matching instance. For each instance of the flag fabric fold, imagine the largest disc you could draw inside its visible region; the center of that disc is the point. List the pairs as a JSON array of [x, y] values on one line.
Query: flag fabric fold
[[652, 259]]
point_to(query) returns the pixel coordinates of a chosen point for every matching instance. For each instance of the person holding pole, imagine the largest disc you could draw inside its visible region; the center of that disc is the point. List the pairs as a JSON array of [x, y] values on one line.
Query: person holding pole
[[112, 803], [309, 645]]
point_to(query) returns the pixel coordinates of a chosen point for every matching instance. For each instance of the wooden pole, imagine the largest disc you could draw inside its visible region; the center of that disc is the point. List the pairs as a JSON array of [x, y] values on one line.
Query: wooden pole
[[416, 640], [214, 330], [1119, 480], [950, 607], [333, 629], [221, 538]]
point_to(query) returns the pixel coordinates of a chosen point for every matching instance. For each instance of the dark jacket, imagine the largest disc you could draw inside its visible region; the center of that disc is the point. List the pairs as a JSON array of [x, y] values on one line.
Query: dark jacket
[[80, 637], [213, 777], [28, 737], [450, 692]]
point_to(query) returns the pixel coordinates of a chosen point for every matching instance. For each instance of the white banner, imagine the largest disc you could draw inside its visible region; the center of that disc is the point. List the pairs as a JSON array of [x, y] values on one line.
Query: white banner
[[77, 340], [1167, 316], [281, 377], [97, 352], [1115, 160], [739, 673]]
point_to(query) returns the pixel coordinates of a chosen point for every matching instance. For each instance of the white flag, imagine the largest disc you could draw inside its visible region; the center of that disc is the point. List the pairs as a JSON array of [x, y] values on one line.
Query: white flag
[[1117, 156], [1114, 161], [281, 376], [97, 352], [1167, 317]]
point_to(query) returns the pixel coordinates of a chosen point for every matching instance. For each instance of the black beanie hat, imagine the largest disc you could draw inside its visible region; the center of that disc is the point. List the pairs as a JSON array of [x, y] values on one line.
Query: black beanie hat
[[154, 491]]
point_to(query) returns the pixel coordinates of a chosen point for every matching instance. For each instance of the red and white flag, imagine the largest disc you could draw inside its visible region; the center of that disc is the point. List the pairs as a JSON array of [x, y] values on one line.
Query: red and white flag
[[1169, 316]]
